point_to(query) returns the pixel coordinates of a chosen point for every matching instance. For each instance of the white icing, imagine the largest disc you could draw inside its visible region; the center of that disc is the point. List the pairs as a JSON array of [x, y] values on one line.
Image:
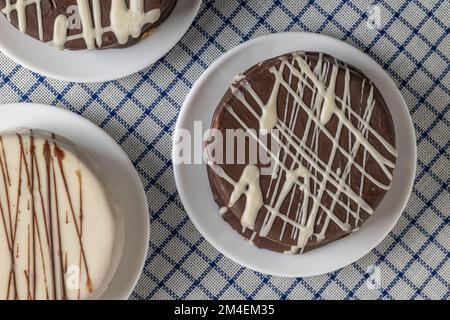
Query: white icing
[[291, 178], [238, 78], [84, 11], [59, 32], [322, 109], [249, 185], [129, 22], [223, 210], [20, 7], [313, 159], [252, 238], [40, 23], [96, 9], [57, 224]]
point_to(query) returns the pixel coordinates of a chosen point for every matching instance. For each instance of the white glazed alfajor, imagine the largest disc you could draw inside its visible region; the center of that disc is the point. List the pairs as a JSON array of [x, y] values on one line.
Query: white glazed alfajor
[[61, 231]]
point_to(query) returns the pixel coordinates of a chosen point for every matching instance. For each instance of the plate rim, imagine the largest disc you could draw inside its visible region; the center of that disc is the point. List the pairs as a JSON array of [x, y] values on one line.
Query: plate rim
[[102, 134], [39, 69], [182, 118]]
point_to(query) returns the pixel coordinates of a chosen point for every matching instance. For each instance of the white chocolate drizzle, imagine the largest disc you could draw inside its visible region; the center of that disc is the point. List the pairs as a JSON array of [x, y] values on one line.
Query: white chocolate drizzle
[[311, 180], [125, 22], [249, 185]]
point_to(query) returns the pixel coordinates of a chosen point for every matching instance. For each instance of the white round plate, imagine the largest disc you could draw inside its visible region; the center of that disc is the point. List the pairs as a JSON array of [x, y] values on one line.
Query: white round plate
[[98, 65], [192, 180], [125, 181]]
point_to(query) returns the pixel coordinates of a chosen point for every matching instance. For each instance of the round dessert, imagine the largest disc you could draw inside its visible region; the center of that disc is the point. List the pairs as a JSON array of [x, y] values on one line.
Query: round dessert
[[317, 155], [61, 232], [84, 24]]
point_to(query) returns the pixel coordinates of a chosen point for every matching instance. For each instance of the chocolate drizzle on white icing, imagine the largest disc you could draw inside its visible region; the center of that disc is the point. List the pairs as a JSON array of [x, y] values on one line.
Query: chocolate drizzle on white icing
[[42, 225], [311, 179]]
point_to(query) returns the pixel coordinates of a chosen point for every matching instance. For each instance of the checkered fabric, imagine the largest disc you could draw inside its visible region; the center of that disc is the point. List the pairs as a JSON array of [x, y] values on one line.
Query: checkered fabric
[[140, 111]]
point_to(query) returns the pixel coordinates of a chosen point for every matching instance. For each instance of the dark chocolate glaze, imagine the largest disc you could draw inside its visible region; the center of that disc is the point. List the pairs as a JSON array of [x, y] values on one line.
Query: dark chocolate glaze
[[51, 9], [262, 81]]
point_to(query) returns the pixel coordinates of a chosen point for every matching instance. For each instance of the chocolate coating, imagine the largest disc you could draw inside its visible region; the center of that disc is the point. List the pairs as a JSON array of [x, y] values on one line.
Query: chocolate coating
[[51, 9], [262, 79]]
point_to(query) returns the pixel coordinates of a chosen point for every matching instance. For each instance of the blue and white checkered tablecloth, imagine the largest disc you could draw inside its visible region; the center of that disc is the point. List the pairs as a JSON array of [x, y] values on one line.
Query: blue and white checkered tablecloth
[[412, 43]]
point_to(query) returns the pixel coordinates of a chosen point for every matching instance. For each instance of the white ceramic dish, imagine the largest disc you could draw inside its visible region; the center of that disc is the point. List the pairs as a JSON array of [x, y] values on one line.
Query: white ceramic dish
[[102, 65], [193, 185], [125, 181]]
